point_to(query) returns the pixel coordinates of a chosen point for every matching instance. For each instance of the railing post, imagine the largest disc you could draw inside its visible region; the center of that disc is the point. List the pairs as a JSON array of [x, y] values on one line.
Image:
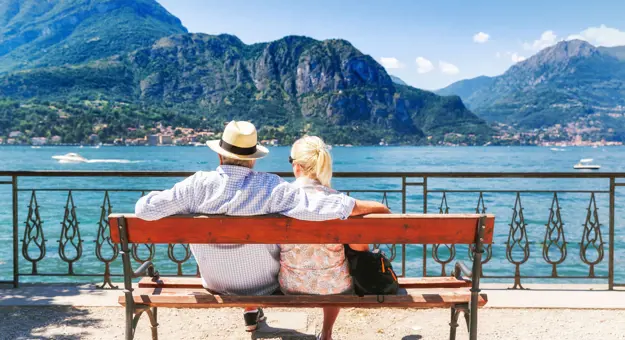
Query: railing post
[[475, 279], [16, 267], [425, 211], [403, 211], [611, 241], [403, 194]]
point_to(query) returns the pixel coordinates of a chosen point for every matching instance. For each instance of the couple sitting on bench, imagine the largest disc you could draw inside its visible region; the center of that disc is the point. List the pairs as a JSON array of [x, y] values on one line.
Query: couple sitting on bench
[[235, 189]]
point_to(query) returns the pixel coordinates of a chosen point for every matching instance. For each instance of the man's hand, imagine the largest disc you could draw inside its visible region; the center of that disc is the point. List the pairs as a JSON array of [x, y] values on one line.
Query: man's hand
[[369, 207]]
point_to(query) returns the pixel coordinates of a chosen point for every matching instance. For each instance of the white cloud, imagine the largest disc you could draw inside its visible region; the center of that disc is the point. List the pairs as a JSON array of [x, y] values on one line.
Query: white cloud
[[481, 38], [448, 68], [601, 36], [390, 62], [516, 58], [547, 39], [424, 65], [498, 55]]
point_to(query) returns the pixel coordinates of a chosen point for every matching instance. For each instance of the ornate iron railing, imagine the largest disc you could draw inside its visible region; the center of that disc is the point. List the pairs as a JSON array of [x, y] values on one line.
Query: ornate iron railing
[[573, 250]]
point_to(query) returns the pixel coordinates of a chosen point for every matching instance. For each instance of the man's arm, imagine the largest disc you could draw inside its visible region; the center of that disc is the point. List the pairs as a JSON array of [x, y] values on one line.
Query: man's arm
[[159, 204], [369, 207], [291, 201]]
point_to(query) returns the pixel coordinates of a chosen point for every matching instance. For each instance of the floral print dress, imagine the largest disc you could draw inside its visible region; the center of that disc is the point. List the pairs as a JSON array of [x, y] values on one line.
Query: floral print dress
[[314, 268]]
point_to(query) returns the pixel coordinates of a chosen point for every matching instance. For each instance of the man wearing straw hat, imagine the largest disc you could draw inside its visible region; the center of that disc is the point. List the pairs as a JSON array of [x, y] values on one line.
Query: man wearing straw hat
[[235, 189]]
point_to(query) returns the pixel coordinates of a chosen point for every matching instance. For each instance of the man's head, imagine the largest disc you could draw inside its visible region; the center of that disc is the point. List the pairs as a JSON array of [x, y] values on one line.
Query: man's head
[[238, 145], [238, 162]]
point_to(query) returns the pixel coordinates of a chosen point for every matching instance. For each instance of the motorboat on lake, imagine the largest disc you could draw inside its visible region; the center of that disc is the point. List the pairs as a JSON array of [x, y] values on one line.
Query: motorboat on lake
[[585, 164], [70, 158]]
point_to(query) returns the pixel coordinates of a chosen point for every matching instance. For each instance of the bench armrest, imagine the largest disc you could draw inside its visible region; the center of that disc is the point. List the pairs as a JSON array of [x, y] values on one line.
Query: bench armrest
[[461, 270], [146, 268]]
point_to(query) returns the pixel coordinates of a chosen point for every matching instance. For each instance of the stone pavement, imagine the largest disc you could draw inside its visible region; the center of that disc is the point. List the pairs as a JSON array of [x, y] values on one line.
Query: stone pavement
[[84, 312]]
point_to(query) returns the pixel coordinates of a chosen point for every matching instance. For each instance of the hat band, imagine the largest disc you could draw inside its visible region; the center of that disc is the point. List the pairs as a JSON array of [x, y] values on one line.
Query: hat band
[[237, 150]]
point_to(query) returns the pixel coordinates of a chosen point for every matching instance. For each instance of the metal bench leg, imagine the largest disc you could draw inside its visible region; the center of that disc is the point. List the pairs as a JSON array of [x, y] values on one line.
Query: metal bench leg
[[130, 334], [471, 317], [153, 322], [134, 320], [453, 324]]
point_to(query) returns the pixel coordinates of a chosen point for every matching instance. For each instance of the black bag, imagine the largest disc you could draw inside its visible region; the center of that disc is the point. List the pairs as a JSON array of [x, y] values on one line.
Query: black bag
[[372, 273]]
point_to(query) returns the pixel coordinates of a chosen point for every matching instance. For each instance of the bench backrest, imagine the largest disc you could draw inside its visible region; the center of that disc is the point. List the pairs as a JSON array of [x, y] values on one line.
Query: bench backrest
[[269, 229]]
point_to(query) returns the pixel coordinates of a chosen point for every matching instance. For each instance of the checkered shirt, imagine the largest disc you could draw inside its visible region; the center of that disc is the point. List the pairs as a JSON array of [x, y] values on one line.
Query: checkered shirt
[[249, 269]]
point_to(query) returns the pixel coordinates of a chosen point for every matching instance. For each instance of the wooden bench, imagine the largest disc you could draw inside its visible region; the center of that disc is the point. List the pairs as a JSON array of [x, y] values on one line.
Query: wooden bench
[[461, 292]]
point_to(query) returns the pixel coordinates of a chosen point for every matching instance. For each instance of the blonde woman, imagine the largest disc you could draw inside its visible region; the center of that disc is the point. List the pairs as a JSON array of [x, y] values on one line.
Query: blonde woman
[[317, 268]]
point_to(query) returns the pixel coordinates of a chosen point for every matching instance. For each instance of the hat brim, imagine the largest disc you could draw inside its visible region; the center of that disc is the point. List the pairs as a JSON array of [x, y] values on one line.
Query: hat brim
[[261, 151]]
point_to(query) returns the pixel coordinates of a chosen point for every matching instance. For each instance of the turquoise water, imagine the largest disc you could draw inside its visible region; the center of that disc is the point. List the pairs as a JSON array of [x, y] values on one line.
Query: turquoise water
[[388, 159]]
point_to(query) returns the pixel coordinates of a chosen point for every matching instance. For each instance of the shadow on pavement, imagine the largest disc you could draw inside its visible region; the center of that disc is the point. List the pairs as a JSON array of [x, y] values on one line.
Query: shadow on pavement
[[44, 312]]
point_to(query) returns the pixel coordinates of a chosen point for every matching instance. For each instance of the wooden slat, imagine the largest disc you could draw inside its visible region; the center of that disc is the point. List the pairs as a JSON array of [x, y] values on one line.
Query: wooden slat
[[404, 282], [200, 298], [267, 229]]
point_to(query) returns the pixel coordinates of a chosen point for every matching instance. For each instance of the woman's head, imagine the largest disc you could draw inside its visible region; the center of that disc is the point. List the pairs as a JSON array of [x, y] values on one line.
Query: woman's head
[[311, 158]]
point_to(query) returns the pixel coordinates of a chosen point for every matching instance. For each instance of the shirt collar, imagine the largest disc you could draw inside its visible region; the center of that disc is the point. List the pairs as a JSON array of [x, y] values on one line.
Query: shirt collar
[[233, 170], [305, 181]]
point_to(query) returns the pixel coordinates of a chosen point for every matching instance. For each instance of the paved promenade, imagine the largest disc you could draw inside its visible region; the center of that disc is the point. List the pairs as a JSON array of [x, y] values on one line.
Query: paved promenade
[[543, 312]]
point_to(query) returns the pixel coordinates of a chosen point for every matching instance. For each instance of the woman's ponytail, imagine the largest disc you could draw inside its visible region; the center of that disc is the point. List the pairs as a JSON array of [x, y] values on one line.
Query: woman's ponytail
[[311, 153]]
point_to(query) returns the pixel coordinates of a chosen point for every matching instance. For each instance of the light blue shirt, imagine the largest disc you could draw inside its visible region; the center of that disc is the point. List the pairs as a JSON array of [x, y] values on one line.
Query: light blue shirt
[[250, 269]]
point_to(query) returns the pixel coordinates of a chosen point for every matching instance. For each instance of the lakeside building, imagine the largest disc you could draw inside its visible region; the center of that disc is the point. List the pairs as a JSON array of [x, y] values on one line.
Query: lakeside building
[[15, 134], [152, 140], [39, 141], [270, 142], [165, 140]]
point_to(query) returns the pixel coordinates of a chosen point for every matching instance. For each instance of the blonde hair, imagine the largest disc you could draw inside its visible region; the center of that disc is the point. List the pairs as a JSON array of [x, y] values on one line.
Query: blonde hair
[[311, 153]]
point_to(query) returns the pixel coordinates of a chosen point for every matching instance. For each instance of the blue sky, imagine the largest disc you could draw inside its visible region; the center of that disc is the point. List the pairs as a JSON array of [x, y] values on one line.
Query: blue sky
[[429, 44]]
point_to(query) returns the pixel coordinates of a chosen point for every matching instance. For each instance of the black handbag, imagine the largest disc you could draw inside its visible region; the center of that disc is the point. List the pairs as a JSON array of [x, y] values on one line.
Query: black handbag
[[372, 273]]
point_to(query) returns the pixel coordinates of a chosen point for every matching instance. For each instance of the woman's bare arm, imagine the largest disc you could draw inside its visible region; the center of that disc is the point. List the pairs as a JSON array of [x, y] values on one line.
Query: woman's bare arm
[[369, 207]]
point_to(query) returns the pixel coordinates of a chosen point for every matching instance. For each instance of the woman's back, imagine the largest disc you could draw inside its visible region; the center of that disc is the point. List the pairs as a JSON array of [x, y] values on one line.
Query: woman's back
[[314, 268]]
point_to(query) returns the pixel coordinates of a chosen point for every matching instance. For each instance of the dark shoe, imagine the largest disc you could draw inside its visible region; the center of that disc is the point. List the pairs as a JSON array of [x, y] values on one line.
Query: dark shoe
[[252, 318]]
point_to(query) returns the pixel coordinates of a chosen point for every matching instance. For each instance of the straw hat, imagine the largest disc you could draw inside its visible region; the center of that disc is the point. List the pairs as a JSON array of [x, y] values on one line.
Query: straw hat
[[239, 141]]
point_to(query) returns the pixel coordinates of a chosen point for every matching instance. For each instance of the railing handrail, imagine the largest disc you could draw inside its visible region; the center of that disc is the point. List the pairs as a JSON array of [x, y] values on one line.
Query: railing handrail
[[343, 174]]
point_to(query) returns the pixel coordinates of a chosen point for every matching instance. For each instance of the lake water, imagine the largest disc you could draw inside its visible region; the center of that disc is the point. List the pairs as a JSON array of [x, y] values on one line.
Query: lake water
[[387, 159]]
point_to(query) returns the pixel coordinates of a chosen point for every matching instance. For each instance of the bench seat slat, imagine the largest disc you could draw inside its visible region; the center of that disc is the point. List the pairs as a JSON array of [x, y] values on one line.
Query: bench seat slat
[[200, 298], [404, 282]]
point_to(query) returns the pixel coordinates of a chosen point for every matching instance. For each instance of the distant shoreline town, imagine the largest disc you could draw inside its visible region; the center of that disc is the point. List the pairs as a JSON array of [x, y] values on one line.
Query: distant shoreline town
[[556, 136]]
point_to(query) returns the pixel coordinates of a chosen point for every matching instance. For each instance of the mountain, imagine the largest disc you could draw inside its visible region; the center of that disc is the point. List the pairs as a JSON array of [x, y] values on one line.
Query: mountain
[[397, 80], [465, 88], [617, 51], [571, 82], [287, 87], [38, 33], [297, 82]]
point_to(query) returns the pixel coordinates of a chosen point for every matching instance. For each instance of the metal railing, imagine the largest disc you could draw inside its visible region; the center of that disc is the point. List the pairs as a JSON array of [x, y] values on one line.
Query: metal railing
[[507, 195]]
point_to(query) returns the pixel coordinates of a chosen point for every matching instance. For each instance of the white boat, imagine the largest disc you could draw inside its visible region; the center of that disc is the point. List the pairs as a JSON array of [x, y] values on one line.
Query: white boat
[[584, 164], [70, 158]]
